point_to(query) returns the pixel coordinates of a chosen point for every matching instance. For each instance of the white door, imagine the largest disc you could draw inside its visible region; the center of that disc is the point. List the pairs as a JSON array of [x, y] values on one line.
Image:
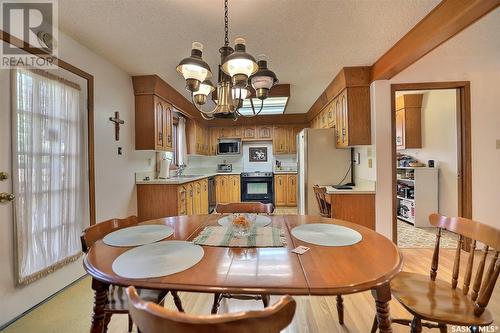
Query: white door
[[15, 300]]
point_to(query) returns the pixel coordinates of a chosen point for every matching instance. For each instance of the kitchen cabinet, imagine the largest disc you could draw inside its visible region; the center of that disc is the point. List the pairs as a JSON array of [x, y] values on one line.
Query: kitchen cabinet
[[197, 138], [352, 207], [153, 125], [409, 121], [285, 190], [265, 132], [293, 131], [353, 119], [227, 188], [230, 132], [214, 140], [280, 139], [330, 111], [156, 201], [249, 133]]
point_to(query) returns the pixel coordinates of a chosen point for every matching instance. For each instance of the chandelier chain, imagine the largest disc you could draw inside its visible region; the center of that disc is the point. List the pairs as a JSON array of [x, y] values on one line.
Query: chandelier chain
[[226, 23]]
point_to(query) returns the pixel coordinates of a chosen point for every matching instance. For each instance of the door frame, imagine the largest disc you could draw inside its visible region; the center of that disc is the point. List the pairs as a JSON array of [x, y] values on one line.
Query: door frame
[[464, 150], [7, 38]]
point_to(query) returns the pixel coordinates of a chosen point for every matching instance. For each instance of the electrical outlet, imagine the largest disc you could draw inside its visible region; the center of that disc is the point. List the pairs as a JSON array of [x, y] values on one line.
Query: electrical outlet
[[498, 144], [120, 151], [370, 163]]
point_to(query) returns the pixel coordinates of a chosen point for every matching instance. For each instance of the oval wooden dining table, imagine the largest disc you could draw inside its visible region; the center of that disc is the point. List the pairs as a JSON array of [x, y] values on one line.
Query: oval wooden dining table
[[321, 271]]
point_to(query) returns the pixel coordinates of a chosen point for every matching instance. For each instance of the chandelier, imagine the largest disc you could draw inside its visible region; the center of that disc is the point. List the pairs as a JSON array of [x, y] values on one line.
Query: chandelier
[[237, 72]]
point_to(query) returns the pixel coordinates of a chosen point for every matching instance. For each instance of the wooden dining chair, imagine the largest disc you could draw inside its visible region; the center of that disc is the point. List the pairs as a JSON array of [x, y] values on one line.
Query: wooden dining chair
[[152, 318], [116, 302], [325, 209], [245, 207], [235, 208], [440, 303]]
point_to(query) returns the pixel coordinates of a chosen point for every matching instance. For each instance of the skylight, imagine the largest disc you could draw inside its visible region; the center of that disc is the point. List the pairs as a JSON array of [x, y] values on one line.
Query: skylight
[[272, 105]]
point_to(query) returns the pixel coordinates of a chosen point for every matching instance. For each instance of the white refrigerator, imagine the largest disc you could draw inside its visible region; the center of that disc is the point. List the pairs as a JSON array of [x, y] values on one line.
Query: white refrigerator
[[319, 163]]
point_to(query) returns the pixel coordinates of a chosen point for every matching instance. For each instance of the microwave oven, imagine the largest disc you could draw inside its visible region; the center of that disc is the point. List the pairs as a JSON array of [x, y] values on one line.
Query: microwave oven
[[229, 147]]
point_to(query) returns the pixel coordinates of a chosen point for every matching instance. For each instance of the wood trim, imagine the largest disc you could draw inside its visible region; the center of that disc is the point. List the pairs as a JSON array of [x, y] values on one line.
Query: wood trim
[[446, 20], [7, 38], [279, 119], [464, 147]]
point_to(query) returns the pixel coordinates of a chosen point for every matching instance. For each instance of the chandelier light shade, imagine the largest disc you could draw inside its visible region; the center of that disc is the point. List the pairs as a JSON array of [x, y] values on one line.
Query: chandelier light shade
[[263, 80], [194, 69], [239, 72], [240, 65], [200, 95]]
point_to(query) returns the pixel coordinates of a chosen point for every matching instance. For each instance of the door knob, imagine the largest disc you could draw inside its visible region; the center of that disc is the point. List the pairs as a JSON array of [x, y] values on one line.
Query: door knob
[[6, 197]]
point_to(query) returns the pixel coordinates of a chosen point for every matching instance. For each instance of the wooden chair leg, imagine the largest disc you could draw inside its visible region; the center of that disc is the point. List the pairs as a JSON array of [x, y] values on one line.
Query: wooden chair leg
[[416, 325], [442, 328], [130, 324], [177, 301], [340, 309], [215, 305], [374, 325], [107, 319], [265, 300]]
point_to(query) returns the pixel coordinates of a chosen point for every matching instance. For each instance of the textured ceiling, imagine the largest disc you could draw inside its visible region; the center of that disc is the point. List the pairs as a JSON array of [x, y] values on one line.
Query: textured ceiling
[[307, 42]]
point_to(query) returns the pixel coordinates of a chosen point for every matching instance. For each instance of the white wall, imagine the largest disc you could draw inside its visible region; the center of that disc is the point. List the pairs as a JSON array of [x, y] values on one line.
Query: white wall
[[439, 142], [115, 186], [364, 170], [473, 55]]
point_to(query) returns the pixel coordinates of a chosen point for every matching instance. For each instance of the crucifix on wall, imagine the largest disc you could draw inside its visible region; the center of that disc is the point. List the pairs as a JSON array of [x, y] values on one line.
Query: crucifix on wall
[[116, 119]]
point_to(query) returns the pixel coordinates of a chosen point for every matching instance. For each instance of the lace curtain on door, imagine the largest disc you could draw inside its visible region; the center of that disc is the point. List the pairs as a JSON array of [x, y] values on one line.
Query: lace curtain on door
[[48, 178]]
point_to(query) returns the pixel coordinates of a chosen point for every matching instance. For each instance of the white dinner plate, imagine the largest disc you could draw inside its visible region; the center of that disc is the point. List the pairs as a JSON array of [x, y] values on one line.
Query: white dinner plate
[[260, 221], [157, 259], [326, 234], [138, 235]]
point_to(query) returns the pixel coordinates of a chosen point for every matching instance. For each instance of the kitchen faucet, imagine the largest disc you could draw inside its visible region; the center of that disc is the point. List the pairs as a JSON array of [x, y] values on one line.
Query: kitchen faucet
[[180, 169]]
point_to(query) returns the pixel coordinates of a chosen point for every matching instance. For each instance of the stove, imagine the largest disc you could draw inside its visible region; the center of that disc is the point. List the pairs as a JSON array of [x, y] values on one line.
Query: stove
[[257, 187]]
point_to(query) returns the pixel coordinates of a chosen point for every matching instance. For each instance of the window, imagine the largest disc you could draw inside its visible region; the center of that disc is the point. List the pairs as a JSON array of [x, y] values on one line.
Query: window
[[48, 174]]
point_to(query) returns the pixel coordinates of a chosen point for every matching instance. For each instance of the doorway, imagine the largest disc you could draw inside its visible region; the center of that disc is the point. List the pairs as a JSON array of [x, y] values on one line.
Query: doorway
[[431, 158]]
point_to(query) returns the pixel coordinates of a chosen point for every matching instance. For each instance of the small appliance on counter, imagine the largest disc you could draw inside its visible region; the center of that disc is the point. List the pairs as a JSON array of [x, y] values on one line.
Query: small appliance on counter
[[224, 167], [164, 168]]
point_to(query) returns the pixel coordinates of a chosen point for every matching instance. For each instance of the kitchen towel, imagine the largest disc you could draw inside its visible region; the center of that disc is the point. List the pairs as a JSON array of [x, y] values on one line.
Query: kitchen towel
[[257, 237]]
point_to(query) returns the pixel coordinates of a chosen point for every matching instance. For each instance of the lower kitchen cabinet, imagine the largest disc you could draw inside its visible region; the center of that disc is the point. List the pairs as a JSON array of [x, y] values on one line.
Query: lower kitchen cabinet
[[285, 190], [227, 188], [356, 208], [157, 200]]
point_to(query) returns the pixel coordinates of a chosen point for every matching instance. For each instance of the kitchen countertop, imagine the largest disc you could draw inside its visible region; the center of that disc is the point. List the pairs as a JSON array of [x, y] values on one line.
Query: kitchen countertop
[[277, 172], [179, 180], [362, 187]]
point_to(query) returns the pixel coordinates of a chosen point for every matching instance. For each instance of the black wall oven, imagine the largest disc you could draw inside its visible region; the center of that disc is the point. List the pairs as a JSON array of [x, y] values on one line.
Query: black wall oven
[[257, 187]]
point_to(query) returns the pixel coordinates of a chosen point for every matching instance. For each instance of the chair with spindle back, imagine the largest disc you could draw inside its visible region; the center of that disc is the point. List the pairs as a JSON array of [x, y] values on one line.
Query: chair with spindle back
[[151, 318], [325, 209], [240, 208], [440, 303], [116, 302]]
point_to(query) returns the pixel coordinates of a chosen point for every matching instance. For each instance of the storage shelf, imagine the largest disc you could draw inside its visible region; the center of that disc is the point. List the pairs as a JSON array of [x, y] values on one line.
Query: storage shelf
[[413, 200], [405, 219], [406, 180]]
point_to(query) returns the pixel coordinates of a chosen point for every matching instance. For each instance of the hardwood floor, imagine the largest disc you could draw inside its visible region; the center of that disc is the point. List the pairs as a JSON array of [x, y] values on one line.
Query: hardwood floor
[[72, 307]]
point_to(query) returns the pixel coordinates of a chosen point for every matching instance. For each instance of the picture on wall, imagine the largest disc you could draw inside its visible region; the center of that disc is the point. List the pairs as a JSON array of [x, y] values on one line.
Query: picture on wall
[[257, 154]]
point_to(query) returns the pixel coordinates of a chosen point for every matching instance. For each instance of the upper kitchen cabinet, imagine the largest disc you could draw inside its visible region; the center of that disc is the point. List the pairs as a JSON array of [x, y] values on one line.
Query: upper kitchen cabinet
[[280, 139], [155, 103], [292, 138], [153, 125], [345, 106], [249, 133], [230, 132], [198, 142], [265, 132], [409, 121]]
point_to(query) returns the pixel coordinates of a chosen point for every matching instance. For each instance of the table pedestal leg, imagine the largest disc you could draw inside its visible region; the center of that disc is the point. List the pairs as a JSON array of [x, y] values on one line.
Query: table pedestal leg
[[382, 295], [100, 297]]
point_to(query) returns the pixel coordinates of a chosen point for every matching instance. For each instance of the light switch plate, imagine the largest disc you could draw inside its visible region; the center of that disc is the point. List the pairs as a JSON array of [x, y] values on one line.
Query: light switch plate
[[498, 144]]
